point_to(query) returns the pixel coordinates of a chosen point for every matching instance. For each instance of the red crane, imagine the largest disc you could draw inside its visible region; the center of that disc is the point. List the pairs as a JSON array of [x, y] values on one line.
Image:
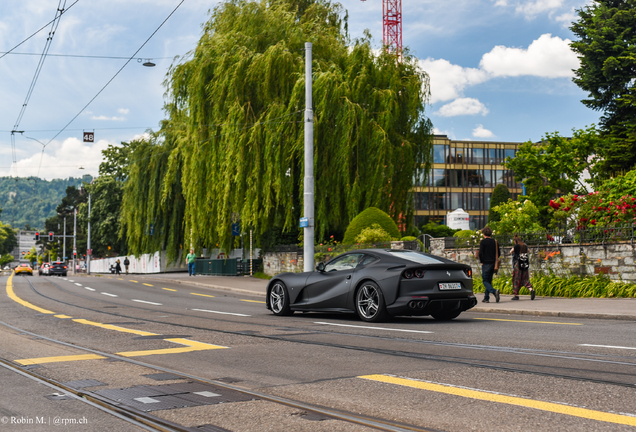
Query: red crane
[[392, 25]]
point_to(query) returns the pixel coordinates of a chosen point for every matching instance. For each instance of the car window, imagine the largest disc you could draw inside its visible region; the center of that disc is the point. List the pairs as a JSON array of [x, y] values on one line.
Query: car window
[[368, 259], [345, 262], [417, 257]]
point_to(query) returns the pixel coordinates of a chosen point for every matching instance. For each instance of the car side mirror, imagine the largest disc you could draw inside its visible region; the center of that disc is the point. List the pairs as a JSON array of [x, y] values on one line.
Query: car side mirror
[[320, 267]]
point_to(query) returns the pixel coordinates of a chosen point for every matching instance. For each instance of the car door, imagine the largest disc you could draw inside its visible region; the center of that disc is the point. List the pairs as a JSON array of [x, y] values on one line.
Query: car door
[[329, 289]]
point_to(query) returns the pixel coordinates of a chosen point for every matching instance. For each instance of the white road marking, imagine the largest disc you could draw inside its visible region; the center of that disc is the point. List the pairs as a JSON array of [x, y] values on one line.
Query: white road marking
[[374, 328], [144, 301], [90, 289], [78, 284], [69, 280], [223, 313], [207, 394], [112, 295], [608, 346]]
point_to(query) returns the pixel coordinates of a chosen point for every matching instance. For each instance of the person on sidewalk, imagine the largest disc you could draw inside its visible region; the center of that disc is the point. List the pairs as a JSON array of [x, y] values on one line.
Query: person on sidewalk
[[520, 269], [190, 260], [487, 255], [117, 268], [126, 264]]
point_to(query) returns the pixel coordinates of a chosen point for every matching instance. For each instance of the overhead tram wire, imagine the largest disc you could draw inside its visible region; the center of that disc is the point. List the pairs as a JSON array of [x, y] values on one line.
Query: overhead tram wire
[[110, 80], [37, 31]]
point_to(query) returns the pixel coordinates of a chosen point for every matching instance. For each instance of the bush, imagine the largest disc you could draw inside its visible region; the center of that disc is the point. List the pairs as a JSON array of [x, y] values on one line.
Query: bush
[[367, 219], [437, 231], [411, 238], [373, 234], [500, 195]]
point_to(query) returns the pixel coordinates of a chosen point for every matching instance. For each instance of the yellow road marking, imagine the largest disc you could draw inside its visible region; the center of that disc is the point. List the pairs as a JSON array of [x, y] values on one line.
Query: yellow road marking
[[526, 321], [62, 316], [168, 289], [57, 359], [25, 303], [202, 295], [254, 301], [120, 278], [190, 346], [117, 328], [510, 400], [147, 284], [133, 281]]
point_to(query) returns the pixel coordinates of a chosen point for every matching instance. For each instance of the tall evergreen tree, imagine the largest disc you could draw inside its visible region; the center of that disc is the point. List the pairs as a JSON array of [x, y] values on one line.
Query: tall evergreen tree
[[607, 50], [232, 145], [500, 195]]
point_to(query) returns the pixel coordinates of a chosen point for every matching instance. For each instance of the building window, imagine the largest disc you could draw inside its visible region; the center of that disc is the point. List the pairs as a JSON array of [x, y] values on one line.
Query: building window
[[509, 153], [438, 201], [474, 178], [457, 200], [438, 178], [475, 201], [478, 156], [457, 178], [439, 153], [487, 178]]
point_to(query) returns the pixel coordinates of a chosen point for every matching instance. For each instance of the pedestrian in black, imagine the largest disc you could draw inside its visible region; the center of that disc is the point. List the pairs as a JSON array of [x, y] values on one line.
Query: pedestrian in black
[[117, 268], [520, 269], [126, 264], [488, 255]]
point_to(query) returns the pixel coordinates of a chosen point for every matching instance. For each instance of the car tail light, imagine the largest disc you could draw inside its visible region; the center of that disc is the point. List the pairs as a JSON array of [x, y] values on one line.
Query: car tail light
[[64, 266], [408, 274], [419, 273], [468, 272]]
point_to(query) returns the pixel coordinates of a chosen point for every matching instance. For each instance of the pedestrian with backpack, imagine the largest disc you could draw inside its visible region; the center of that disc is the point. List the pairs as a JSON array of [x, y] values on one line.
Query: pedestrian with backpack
[[520, 269]]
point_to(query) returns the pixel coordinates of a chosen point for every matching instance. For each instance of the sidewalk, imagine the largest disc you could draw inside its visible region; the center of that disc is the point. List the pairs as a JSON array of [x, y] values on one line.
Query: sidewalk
[[595, 308]]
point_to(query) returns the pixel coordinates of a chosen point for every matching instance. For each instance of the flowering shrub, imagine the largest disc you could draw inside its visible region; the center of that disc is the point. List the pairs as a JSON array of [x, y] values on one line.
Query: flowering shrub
[[595, 209], [373, 234]]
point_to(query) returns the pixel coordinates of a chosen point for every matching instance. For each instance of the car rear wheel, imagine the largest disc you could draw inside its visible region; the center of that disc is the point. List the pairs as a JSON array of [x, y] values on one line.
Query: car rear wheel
[[445, 315], [279, 299], [370, 303]]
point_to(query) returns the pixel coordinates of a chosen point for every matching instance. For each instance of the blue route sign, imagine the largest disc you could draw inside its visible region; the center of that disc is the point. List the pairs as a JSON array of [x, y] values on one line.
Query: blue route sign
[[236, 229]]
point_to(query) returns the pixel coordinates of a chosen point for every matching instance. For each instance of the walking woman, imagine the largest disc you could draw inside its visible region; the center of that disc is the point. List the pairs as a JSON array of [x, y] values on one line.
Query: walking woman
[[520, 268]]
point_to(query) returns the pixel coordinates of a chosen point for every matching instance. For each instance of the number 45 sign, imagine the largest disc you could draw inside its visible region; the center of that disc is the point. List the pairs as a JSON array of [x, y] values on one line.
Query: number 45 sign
[[89, 137]]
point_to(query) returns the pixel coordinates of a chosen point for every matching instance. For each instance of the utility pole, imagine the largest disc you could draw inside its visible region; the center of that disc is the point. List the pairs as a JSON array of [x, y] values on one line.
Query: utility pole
[[64, 247], [88, 245], [74, 237], [308, 197]]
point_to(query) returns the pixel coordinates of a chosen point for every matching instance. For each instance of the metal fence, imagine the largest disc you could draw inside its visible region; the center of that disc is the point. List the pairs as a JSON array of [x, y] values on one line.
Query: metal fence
[[596, 235]]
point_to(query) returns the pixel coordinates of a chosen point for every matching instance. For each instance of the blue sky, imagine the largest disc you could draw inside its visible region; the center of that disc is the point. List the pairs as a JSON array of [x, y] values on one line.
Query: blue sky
[[500, 70]]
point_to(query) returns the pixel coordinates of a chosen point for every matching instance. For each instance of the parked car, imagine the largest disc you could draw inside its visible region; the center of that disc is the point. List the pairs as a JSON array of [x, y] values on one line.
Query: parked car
[[44, 269], [23, 269], [377, 284], [58, 268]]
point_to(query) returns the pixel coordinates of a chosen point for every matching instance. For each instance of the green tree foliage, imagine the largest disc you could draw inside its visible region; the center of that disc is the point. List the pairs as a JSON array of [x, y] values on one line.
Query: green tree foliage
[[555, 165], [71, 201], [606, 47], [232, 145], [8, 239], [517, 218], [367, 219], [29, 201], [500, 195]]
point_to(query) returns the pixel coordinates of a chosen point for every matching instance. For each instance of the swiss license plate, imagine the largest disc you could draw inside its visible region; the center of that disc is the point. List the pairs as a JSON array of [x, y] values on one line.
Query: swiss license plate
[[450, 286]]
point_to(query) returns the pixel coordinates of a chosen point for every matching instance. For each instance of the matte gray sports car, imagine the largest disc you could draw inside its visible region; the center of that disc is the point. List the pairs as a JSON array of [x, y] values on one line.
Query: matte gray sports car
[[377, 283]]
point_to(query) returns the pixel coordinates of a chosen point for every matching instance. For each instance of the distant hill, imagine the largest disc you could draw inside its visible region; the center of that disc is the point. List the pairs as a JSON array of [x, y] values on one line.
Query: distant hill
[[29, 201]]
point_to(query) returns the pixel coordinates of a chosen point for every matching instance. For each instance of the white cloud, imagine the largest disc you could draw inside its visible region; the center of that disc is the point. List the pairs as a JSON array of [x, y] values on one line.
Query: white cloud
[[480, 132], [123, 111], [448, 81], [535, 7], [501, 3], [463, 106], [72, 158], [103, 117], [549, 57]]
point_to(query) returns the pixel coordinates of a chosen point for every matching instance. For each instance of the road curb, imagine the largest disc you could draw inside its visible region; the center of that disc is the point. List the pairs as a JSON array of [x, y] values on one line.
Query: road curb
[[557, 314]]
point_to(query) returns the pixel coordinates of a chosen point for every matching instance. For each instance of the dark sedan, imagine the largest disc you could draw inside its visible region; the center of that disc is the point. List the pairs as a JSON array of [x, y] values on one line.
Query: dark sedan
[[58, 268], [376, 284]]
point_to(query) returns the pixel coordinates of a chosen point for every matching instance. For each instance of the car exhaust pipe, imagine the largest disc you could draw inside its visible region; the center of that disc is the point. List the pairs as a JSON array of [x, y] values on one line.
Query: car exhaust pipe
[[412, 304], [420, 305]]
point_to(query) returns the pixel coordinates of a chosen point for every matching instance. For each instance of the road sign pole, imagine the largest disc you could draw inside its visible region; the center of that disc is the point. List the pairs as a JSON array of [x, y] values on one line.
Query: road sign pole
[[308, 197], [88, 245]]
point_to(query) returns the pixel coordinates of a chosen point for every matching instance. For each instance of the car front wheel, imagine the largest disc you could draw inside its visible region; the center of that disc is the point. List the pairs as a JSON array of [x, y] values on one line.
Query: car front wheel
[[370, 303], [279, 299]]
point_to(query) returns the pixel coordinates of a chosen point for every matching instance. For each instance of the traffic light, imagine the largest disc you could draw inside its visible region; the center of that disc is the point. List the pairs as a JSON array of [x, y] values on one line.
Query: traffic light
[[37, 236], [50, 236]]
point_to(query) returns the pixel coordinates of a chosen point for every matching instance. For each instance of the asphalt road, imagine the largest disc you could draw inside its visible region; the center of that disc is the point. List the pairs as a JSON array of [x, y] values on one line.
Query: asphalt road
[[482, 372]]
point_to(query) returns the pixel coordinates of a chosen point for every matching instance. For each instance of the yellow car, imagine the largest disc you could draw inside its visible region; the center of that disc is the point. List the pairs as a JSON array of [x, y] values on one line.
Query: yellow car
[[24, 269]]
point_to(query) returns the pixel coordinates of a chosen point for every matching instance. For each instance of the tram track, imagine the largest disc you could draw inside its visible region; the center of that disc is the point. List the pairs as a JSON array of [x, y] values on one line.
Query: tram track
[[155, 423], [570, 373]]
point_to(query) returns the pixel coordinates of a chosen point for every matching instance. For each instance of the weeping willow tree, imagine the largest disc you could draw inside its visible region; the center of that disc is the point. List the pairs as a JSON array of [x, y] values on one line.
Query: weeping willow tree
[[232, 145]]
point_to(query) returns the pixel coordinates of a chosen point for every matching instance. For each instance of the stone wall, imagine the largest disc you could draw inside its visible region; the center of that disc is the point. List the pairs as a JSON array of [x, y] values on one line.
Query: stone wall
[[615, 260], [282, 262]]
